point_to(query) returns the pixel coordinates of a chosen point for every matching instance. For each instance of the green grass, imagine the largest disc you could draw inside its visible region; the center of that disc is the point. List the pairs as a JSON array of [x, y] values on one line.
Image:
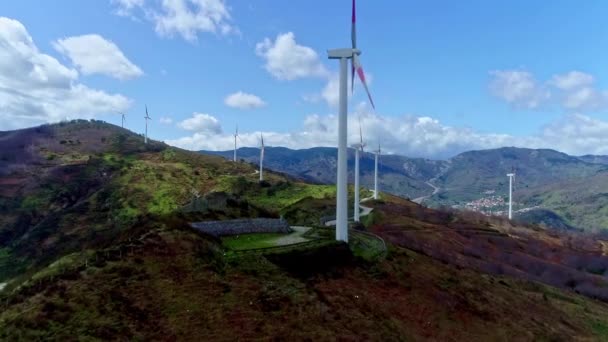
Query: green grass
[[285, 197], [251, 241]]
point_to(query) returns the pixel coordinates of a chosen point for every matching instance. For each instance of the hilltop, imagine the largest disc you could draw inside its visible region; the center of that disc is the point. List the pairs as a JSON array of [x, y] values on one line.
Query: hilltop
[[96, 243]]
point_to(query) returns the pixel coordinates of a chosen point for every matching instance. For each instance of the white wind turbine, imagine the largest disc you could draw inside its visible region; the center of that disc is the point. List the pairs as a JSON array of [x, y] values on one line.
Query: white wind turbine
[[377, 153], [236, 135], [344, 55], [147, 117], [358, 147], [511, 179], [262, 157], [122, 125]]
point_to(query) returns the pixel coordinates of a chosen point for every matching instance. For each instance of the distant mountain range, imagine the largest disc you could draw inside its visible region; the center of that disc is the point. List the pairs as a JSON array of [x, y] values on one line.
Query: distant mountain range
[[566, 191]]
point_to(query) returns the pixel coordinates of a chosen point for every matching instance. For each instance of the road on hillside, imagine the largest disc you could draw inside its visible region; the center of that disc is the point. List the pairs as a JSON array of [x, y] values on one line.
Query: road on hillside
[[420, 199], [364, 212]]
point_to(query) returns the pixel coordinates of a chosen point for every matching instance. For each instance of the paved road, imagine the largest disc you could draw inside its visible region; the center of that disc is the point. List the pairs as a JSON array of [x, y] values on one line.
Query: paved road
[[295, 237], [364, 212], [420, 199]]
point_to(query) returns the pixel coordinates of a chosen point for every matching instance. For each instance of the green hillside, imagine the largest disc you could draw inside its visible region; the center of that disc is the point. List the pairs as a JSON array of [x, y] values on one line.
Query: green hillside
[[95, 244]]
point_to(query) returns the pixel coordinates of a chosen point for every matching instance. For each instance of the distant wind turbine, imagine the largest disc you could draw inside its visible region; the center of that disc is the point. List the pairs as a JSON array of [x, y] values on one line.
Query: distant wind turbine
[[377, 153], [123, 120], [236, 135], [358, 147], [344, 55], [262, 157], [511, 178], [147, 117]]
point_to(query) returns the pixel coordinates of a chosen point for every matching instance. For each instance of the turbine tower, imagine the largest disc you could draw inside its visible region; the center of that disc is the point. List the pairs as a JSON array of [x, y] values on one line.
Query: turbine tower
[[123, 120], [344, 55], [147, 117], [236, 135], [358, 147], [262, 158], [377, 153], [511, 176]]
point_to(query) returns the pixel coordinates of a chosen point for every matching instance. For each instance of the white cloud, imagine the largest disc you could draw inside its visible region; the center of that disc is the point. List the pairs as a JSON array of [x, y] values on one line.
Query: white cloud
[[165, 120], [243, 100], [125, 7], [186, 18], [573, 90], [202, 122], [286, 60], [415, 136], [518, 88], [572, 80], [93, 54], [35, 88]]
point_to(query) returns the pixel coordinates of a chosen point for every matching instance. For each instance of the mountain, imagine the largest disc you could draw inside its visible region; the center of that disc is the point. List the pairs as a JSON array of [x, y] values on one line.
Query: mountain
[[471, 174], [474, 180], [398, 175], [96, 244], [594, 159]]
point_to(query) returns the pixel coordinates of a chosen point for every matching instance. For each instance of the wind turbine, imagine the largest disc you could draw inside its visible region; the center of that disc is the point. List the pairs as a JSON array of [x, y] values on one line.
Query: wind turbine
[[344, 54], [123, 120], [236, 135], [358, 147], [511, 178], [147, 117], [262, 158], [377, 153]]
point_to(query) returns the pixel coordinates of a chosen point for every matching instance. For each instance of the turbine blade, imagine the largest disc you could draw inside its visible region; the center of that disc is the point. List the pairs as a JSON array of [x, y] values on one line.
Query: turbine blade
[[353, 37], [353, 32], [360, 133], [361, 74]]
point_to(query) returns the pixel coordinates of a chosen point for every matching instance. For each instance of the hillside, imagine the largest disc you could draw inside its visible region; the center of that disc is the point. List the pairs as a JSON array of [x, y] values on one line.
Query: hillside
[[474, 180], [398, 175], [96, 244]]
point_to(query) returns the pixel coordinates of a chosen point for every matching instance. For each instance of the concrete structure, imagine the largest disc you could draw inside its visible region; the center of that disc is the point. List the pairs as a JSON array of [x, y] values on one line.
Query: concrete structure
[[242, 226], [510, 175]]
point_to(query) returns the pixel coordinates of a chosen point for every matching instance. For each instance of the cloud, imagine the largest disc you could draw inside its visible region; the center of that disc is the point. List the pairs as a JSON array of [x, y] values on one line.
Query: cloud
[[243, 100], [166, 120], [572, 80], [185, 18], [93, 54], [126, 7], [572, 91], [36, 88], [414, 136], [201, 122], [286, 60], [518, 88]]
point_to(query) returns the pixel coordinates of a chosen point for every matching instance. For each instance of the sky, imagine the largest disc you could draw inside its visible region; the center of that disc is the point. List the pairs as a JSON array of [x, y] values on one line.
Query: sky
[[446, 76]]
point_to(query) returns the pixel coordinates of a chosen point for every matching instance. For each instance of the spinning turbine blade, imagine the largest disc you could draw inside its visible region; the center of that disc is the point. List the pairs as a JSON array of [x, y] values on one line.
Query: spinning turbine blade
[[353, 38], [361, 74]]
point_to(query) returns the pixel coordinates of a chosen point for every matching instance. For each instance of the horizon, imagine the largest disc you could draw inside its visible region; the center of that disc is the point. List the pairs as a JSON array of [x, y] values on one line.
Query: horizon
[[330, 147], [194, 68]]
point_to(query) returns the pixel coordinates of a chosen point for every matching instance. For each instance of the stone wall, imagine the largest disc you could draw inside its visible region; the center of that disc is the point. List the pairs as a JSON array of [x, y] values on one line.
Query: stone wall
[[242, 226]]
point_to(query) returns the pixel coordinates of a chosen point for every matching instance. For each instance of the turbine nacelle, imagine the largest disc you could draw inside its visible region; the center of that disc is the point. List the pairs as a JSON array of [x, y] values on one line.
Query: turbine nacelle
[[342, 53]]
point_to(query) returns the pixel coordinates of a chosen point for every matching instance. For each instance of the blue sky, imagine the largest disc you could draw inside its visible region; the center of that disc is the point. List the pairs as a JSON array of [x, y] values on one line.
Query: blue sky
[[445, 76]]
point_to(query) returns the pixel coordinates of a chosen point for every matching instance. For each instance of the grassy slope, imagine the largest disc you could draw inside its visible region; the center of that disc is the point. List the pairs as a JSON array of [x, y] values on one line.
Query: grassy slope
[[115, 263], [582, 203], [176, 286]]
